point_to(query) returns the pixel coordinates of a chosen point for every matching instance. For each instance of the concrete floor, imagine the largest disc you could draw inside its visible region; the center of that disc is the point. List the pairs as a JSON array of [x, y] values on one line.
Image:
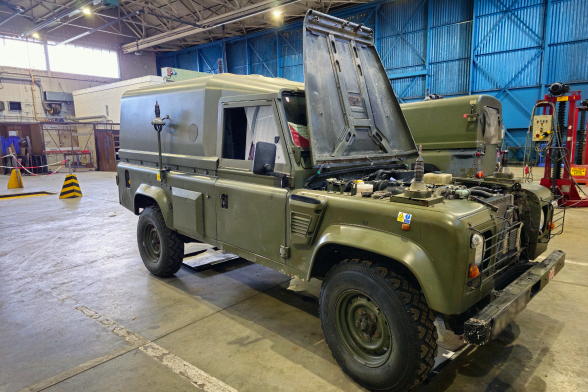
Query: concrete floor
[[71, 274]]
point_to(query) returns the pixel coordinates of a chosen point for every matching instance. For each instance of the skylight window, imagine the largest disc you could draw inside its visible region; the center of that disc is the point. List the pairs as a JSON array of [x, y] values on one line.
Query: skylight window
[[22, 54], [83, 61]]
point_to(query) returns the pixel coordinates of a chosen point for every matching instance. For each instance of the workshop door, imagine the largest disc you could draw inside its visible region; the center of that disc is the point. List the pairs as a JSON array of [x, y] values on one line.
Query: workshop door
[[105, 152]]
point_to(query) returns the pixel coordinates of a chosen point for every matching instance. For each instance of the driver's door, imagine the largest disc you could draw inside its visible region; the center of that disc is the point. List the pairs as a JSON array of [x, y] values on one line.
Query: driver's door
[[251, 208]]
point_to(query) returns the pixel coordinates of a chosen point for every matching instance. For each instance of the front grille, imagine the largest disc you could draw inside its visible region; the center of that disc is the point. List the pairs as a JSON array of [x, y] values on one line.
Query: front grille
[[501, 239], [300, 223]]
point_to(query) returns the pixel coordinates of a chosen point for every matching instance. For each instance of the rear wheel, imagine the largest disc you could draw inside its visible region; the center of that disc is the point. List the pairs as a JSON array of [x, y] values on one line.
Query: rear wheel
[[378, 326], [161, 249]]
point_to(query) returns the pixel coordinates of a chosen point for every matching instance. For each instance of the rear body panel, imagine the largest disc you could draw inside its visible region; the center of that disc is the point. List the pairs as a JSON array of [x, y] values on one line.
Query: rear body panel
[[460, 135]]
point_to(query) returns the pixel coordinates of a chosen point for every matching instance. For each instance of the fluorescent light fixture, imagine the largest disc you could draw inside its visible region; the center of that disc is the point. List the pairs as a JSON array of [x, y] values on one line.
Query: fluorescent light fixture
[[277, 13], [36, 35], [87, 11]]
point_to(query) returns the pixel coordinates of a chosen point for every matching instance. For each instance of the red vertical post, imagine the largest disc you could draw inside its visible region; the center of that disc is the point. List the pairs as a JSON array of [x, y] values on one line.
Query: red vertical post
[[571, 132]]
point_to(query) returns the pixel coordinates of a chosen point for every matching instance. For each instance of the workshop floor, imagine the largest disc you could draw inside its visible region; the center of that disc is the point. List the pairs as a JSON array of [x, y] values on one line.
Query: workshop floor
[[79, 311]]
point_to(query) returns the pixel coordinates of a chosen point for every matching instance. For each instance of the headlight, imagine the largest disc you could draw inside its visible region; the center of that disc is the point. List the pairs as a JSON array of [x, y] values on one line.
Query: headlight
[[477, 243], [542, 220]]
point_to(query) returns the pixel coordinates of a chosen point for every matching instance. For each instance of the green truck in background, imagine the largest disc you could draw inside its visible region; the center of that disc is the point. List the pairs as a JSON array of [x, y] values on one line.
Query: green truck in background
[[312, 180], [461, 135]]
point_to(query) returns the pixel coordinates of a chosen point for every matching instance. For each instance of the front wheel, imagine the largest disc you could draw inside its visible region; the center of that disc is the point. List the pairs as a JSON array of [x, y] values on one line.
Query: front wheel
[[161, 249], [378, 326]]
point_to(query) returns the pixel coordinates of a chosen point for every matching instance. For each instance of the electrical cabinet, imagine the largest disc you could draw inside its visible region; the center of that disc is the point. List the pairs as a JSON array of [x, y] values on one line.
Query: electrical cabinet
[[542, 131]]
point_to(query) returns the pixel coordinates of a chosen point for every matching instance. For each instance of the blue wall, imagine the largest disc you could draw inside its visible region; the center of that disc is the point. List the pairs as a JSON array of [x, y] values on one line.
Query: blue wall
[[509, 49]]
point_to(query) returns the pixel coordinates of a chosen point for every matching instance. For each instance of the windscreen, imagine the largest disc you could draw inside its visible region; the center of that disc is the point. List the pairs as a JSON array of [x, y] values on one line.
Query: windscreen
[[295, 109]]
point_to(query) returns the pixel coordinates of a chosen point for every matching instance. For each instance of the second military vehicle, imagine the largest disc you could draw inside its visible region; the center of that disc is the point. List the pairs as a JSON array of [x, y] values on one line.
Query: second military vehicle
[[460, 135], [309, 179]]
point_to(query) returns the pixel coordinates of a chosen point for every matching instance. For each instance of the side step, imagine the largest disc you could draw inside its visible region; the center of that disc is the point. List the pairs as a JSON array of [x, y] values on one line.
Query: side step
[[207, 257]]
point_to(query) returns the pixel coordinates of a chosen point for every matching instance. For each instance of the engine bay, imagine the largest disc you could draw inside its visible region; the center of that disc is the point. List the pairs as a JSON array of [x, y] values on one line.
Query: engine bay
[[384, 181]]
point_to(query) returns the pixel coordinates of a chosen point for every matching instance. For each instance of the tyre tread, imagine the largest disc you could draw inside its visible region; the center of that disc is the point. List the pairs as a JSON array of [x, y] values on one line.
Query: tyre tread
[[413, 300], [175, 244]]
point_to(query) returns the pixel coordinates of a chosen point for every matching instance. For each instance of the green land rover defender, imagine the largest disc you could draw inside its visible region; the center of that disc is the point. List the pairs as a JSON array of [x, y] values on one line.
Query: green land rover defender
[[311, 179]]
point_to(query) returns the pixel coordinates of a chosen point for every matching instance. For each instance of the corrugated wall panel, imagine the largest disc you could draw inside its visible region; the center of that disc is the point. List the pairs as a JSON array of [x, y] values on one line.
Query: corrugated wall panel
[[497, 70], [395, 17], [263, 55], [237, 57], [407, 88], [575, 66], [291, 55], [569, 21], [188, 60], [450, 78], [402, 44], [399, 52], [491, 6], [451, 42], [500, 33], [446, 12], [209, 57]]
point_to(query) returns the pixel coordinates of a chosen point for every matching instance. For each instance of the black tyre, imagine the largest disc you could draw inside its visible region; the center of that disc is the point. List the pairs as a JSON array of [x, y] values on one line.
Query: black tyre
[[378, 326], [161, 249]]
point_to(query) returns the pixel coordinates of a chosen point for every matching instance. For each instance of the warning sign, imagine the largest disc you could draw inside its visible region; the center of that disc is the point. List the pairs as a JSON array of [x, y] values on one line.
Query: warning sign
[[578, 171], [404, 217], [299, 135]]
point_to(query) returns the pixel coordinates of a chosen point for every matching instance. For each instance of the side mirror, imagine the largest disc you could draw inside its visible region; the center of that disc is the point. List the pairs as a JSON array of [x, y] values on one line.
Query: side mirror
[[264, 158]]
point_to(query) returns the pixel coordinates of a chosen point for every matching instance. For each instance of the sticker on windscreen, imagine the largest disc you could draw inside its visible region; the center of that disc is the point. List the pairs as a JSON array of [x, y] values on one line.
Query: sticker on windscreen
[[299, 135]]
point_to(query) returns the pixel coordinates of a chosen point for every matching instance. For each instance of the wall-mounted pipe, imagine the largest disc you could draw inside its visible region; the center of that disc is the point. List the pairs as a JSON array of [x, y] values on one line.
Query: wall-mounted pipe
[[46, 108], [16, 9], [77, 119]]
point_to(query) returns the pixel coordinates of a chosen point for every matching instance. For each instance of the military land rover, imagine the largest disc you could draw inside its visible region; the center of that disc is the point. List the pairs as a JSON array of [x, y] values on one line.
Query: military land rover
[[311, 179]]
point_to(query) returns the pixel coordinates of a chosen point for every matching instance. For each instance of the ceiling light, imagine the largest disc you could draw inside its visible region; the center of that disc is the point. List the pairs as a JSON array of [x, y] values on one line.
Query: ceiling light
[[87, 11], [35, 35], [277, 13]]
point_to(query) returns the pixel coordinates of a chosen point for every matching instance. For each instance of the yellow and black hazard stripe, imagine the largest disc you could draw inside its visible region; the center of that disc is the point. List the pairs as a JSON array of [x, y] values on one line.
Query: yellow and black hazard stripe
[[71, 187]]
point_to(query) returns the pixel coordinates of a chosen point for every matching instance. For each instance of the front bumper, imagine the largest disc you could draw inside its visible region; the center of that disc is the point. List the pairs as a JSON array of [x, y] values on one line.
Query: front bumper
[[491, 320]]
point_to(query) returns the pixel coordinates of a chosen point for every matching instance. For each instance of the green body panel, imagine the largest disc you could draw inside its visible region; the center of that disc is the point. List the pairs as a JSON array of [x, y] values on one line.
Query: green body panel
[[193, 106], [283, 228], [450, 141]]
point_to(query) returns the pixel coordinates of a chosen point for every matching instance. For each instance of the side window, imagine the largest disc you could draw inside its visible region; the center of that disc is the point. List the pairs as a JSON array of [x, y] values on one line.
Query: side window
[[244, 127]]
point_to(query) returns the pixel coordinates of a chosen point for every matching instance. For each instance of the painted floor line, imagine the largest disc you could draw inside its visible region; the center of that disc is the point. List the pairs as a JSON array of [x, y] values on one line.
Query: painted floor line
[[196, 376], [576, 263], [40, 386]]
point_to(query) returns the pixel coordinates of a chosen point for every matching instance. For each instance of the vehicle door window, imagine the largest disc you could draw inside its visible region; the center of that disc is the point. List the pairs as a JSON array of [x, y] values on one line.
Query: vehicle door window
[[244, 127], [295, 109]]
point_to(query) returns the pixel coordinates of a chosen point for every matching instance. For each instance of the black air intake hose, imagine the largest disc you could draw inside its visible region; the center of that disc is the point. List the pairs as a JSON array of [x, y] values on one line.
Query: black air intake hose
[[348, 184], [477, 192], [483, 188]]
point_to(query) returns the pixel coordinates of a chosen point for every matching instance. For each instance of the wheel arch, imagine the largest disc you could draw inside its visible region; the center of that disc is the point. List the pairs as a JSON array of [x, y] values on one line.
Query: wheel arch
[[147, 195], [399, 253]]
